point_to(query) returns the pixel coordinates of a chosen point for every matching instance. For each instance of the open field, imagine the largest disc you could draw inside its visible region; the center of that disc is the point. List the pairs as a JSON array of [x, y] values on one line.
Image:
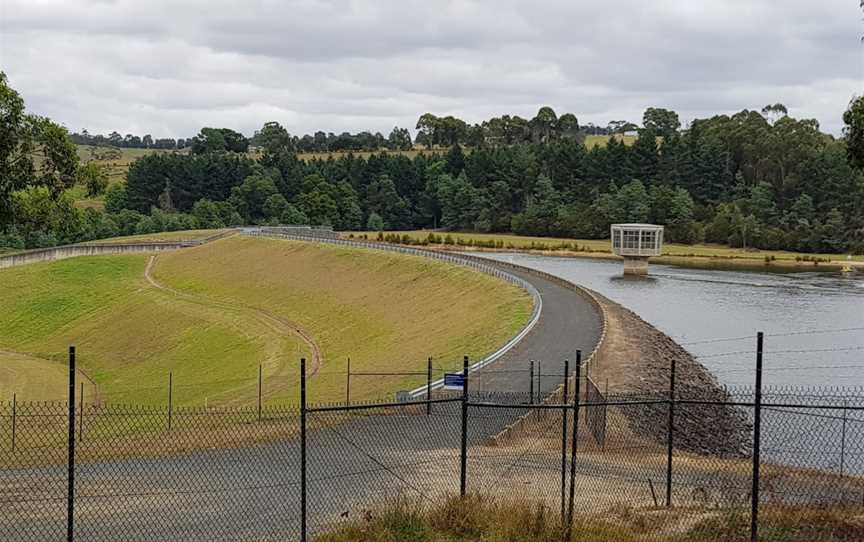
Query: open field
[[213, 314], [677, 254], [592, 141], [116, 169]]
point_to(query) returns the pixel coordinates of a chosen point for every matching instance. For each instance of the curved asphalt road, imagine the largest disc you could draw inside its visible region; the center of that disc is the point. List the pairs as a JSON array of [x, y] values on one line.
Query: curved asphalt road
[[354, 460], [568, 322]]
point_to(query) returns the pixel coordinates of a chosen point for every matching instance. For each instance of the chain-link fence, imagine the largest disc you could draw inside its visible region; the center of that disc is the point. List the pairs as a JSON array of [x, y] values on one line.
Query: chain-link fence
[[658, 465]]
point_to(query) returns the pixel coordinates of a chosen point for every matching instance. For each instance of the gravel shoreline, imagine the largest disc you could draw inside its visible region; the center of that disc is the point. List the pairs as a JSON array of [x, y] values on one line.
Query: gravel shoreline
[[635, 360]]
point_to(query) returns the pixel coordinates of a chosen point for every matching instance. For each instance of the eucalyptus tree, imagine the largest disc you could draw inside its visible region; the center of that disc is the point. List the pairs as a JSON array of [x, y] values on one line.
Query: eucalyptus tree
[[33, 152], [854, 131]]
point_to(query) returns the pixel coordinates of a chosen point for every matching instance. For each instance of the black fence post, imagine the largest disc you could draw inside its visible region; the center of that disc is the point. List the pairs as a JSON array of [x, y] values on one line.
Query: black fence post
[[428, 386], [757, 435], [70, 498], [303, 449], [564, 416], [170, 398], [843, 441], [260, 389], [81, 416], [463, 472], [539, 381], [574, 444], [531, 381], [348, 384], [670, 438], [14, 419], [605, 414]]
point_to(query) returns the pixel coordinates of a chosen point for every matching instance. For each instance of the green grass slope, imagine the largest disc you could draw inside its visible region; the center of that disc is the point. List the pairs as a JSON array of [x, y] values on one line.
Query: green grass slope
[[386, 311], [129, 336], [213, 314]]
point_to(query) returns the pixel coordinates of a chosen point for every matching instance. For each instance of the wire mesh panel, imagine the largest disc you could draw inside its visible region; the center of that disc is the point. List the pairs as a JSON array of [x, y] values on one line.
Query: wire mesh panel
[[712, 466], [812, 463], [33, 471], [622, 473], [145, 473], [218, 474], [158, 473], [595, 417], [518, 453], [362, 458]]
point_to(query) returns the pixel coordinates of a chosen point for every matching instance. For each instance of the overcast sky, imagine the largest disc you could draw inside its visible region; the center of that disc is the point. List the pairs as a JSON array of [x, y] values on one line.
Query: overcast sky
[[169, 67]]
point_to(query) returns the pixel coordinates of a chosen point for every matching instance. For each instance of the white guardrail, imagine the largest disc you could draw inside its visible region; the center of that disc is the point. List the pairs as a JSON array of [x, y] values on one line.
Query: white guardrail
[[458, 259]]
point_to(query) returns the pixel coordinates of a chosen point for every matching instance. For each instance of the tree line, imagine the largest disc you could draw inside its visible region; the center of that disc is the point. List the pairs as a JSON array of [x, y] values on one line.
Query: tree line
[[432, 131], [128, 141], [754, 179]]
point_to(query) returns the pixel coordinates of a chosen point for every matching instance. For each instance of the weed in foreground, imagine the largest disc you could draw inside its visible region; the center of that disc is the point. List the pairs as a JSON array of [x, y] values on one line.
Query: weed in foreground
[[478, 518]]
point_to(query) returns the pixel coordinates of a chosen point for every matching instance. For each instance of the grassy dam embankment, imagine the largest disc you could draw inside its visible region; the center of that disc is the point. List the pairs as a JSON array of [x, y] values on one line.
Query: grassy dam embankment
[[213, 314]]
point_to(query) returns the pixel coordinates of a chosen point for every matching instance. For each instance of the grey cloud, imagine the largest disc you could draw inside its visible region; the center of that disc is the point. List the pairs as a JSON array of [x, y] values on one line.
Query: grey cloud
[[168, 68]]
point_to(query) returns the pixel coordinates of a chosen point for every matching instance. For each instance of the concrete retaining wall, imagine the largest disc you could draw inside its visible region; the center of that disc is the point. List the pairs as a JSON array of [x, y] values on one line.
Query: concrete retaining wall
[[72, 251]]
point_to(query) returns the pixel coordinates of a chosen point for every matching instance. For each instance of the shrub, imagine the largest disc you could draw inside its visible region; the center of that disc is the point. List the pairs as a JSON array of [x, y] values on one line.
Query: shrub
[[12, 239], [375, 222], [41, 239], [146, 225], [115, 198], [433, 239]]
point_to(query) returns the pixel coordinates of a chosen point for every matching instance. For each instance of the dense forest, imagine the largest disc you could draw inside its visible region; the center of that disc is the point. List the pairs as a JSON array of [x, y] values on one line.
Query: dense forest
[[754, 179]]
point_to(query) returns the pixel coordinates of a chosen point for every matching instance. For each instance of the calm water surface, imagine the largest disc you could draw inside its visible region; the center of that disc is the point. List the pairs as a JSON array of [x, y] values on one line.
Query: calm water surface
[[806, 317]]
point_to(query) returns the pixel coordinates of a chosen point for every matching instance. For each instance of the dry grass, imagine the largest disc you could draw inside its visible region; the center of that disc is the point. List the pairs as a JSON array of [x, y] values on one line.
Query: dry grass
[[592, 141], [475, 518]]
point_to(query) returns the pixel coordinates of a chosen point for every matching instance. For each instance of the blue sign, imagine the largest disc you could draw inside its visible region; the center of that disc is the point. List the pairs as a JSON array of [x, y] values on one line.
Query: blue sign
[[454, 381]]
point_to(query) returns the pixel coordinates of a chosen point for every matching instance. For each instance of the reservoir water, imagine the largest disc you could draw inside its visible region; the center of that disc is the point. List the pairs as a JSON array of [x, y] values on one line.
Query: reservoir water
[[814, 338], [813, 321]]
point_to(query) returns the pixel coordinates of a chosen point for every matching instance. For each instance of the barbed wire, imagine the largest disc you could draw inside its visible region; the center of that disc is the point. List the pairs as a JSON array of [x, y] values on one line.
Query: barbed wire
[[790, 368], [799, 351], [786, 334]]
